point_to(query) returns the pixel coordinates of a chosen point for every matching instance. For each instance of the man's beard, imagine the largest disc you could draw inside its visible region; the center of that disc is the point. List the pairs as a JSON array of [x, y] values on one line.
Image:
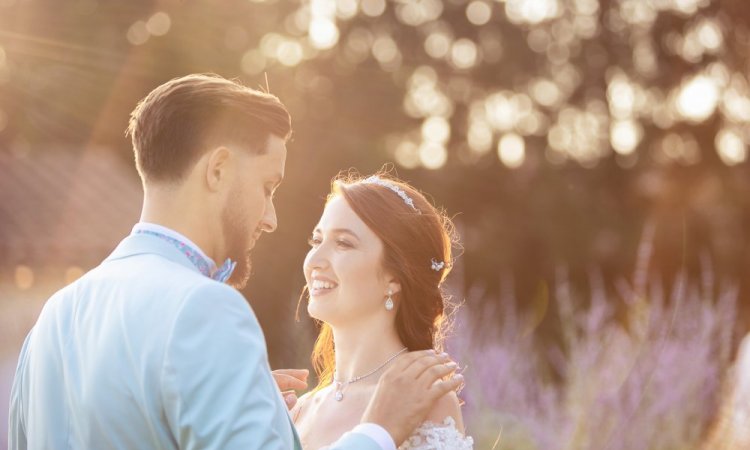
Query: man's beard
[[238, 243]]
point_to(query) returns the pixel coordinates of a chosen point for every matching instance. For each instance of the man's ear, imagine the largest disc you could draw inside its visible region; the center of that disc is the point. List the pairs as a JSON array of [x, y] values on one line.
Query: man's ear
[[217, 167]]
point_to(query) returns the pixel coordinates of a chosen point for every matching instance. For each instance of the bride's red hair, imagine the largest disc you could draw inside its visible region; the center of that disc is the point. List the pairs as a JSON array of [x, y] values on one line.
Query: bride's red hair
[[411, 240]]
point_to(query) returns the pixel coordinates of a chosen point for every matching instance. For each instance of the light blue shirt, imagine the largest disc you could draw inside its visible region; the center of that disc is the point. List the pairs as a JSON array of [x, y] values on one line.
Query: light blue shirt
[[144, 352]]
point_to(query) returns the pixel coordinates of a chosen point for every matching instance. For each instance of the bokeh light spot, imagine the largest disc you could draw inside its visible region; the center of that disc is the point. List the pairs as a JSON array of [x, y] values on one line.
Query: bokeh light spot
[[545, 92], [698, 98], [479, 12], [253, 62], [346, 9], [731, 147], [159, 24], [625, 135], [464, 53], [436, 129], [479, 137], [24, 277], [531, 11], [138, 33], [407, 155], [324, 33], [3, 120], [437, 45], [373, 8], [512, 150], [290, 53], [432, 155], [73, 273]]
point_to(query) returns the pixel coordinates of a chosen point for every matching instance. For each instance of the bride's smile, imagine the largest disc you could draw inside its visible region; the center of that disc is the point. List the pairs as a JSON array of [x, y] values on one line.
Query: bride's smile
[[321, 286], [344, 272]]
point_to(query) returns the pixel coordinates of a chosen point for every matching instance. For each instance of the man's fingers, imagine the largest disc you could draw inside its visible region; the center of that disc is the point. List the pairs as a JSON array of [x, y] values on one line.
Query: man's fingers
[[290, 398], [435, 372], [442, 387], [408, 390], [407, 359], [417, 362], [288, 382], [300, 374], [430, 365]]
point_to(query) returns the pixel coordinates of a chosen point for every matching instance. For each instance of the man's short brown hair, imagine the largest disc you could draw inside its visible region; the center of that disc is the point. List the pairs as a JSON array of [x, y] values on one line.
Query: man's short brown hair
[[183, 118]]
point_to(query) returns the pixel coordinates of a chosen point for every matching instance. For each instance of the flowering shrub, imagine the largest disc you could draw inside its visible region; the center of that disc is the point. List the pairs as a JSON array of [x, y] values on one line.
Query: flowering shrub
[[635, 368]]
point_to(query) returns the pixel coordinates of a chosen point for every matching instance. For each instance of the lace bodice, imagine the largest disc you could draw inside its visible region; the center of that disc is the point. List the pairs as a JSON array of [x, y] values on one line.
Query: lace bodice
[[438, 436]]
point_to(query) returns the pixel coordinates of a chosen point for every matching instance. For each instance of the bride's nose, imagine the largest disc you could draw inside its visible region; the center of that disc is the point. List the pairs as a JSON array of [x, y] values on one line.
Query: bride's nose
[[317, 258]]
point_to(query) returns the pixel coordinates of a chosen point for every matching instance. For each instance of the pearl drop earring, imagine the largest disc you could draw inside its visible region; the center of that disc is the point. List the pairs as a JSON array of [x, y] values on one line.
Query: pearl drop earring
[[389, 301]]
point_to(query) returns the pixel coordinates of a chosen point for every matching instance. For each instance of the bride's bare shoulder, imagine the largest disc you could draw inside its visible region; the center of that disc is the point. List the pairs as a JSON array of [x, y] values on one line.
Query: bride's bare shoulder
[[447, 405], [299, 408]]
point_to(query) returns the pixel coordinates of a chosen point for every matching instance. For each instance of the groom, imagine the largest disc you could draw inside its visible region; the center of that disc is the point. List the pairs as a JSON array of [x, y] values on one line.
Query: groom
[[152, 349]]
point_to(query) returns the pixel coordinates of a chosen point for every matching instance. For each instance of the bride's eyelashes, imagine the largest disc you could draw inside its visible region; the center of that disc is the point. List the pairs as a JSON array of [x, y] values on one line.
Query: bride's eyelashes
[[343, 243], [315, 241]]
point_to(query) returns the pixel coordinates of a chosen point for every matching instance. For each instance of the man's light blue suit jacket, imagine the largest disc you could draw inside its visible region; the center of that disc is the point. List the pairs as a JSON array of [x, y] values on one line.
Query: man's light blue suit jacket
[[144, 352]]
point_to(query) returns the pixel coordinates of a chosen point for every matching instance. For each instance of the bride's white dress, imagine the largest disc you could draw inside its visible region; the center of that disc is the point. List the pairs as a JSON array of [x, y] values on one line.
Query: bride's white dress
[[438, 436]]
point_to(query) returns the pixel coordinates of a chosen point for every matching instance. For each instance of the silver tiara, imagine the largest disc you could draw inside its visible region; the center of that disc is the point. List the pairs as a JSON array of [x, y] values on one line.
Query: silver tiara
[[400, 192], [437, 266]]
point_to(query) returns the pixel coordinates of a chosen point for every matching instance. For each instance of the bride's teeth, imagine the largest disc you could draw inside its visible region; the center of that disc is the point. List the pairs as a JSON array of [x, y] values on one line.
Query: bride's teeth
[[318, 284]]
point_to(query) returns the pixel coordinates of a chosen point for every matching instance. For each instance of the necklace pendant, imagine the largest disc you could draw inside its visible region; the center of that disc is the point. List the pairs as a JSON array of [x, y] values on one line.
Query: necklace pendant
[[339, 396]]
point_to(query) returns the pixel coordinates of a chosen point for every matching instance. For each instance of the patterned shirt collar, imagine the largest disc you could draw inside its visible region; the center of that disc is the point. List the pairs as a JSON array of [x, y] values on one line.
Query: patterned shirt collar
[[202, 262]]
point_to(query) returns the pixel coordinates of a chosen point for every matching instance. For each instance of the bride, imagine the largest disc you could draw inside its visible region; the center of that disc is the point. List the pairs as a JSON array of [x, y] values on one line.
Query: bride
[[378, 257]]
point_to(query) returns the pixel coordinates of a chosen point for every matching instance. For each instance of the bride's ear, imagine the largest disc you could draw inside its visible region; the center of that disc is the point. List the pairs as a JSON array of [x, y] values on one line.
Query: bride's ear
[[394, 286]]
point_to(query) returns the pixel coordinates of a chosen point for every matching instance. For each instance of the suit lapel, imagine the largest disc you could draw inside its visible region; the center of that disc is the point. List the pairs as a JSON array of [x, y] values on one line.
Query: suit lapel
[[297, 443]]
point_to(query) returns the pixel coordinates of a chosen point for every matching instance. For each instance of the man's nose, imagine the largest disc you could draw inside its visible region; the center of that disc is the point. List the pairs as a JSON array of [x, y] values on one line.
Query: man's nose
[[269, 222]]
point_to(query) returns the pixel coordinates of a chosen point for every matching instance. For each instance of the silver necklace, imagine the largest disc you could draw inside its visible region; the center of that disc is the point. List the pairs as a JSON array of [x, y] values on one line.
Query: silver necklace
[[341, 385]]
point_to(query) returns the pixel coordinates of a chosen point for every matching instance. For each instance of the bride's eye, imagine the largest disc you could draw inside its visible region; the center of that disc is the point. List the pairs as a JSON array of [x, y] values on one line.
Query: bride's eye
[[314, 241], [343, 243]]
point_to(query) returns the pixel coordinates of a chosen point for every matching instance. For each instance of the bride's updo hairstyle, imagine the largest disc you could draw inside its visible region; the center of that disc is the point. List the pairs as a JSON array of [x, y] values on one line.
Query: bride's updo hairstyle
[[417, 240]]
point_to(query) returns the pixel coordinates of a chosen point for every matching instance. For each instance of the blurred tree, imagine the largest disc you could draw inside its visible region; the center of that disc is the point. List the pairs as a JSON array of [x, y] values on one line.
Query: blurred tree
[[555, 129]]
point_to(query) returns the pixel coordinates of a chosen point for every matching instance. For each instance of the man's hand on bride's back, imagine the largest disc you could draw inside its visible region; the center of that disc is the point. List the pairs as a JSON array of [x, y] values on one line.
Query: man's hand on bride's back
[[289, 381], [408, 390]]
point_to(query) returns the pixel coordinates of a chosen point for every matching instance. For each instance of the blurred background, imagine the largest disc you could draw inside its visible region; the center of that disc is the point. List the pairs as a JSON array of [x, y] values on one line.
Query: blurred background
[[593, 154]]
